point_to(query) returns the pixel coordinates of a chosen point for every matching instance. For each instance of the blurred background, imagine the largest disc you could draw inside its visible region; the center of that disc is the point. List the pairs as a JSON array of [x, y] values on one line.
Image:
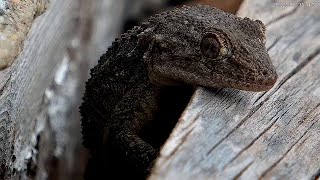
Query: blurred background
[[138, 10]]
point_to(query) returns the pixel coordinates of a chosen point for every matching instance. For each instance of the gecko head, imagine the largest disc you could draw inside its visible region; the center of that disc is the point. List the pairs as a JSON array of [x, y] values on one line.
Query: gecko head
[[208, 47]]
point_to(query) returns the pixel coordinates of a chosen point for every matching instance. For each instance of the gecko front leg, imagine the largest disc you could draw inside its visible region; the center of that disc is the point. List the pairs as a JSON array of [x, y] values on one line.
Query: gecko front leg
[[137, 108]]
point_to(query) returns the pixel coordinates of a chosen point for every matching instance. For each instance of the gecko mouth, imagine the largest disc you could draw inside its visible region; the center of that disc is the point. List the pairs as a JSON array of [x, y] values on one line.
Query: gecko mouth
[[264, 85], [261, 84]]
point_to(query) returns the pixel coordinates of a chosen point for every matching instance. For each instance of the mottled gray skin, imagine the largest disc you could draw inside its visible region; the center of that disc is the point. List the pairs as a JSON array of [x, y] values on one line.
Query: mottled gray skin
[[200, 46]]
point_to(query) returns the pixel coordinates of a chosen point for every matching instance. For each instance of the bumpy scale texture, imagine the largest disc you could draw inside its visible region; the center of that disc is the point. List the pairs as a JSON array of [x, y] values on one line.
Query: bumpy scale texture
[[199, 45]]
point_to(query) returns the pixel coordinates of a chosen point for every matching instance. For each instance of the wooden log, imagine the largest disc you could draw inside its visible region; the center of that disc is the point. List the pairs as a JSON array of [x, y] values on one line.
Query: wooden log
[[16, 18], [32, 143], [233, 134]]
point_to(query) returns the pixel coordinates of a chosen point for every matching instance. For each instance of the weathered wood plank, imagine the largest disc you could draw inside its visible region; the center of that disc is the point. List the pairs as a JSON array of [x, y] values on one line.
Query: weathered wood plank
[[24, 83], [16, 18], [235, 134], [21, 99]]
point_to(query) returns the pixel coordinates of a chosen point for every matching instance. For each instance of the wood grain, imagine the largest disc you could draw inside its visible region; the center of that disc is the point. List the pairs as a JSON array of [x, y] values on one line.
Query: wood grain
[[233, 134], [23, 86]]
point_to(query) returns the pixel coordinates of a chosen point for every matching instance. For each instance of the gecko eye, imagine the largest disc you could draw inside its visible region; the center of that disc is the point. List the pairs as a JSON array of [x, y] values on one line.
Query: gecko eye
[[215, 46], [210, 46]]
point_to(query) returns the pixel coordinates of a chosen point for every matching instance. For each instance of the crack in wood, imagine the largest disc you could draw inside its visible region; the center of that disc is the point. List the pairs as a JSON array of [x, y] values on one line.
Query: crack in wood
[[285, 154], [303, 141], [250, 114], [298, 112], [192, 122], [183, 139], [274, 43], [5, 86], [255, 139], [236, 103], [285, 14], [255, 109], [316, 107], [243, 170], [284, 80], [232, 130], [259, 97], [296, 70]]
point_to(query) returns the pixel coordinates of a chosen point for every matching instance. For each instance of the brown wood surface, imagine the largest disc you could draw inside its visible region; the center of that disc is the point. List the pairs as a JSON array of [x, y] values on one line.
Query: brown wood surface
[[227, 134]]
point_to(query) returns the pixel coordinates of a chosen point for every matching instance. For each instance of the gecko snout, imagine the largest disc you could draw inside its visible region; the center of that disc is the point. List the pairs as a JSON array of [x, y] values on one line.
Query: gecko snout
[[269, 78]]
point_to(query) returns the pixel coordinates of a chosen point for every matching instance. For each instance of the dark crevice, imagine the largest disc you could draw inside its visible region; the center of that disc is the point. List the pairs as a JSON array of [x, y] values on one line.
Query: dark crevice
[[260, 96], [172, 103], [194, 120], [2, 171], [5, 86], [176, 2], [31, 163], [303, 141]]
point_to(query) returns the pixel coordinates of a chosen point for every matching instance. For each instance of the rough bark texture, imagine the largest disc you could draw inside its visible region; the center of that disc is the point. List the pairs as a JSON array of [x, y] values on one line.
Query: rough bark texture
[[39, 119], [230, 134]]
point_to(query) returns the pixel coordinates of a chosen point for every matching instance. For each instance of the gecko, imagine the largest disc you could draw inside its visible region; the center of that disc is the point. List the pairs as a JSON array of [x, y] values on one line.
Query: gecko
[[193, 46]]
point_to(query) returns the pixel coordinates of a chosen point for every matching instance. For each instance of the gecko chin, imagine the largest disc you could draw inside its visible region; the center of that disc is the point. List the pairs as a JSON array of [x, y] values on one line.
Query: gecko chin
[[254, 87], [262, 84]]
